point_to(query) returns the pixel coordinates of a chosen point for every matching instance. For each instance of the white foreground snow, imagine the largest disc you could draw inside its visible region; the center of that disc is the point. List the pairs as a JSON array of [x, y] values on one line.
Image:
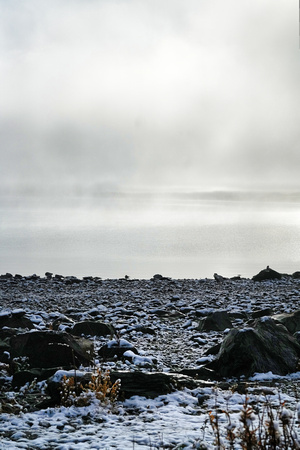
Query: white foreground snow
[[170, 421]]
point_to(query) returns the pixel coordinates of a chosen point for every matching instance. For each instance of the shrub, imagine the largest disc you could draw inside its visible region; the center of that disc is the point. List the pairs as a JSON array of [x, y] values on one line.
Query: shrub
[[99, 387], [268, 428]]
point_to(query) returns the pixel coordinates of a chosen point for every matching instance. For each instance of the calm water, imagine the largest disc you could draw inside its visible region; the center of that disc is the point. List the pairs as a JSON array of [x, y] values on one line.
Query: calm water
[[181, 236]]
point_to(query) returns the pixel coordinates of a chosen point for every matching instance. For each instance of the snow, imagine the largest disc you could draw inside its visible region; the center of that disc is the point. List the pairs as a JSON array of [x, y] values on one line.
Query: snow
[[121, 343], [177, 420], [137, 423]]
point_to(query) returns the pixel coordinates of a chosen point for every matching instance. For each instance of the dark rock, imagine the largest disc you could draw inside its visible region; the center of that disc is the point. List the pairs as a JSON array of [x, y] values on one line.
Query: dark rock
[[51, 349], [290, 321], [144, 329], [6, 333], [4, 351], [72, 280], [265, 347], [202, 398], [159, 312], [158, 277], [296, 275], [116, 348], [216, 321], [33, 277], [6, 276], [48, 275], [262, 313], [202, 373], [92, 328], [58, 277], [219, 278], [214, 350], [24, 376], [150, 385], [54, 383], [267, 274], [16, 319], [297, 336], [238, 315], [63, 321]]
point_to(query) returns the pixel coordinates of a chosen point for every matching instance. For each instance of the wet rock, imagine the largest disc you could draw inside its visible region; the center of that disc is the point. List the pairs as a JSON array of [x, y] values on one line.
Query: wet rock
[[51, 349], [265, 347], [92, 328], [216, 321], [267, 274]]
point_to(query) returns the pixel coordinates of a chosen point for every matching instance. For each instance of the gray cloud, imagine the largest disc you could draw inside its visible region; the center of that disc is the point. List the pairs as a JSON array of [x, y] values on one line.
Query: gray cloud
[[199, 93]]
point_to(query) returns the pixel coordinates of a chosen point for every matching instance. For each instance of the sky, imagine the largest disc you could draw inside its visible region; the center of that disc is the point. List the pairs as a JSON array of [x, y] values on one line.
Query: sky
[[149, 94]]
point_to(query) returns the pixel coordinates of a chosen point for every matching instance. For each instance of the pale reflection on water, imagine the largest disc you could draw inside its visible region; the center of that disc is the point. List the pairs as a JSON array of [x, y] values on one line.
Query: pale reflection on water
[[178, 236]]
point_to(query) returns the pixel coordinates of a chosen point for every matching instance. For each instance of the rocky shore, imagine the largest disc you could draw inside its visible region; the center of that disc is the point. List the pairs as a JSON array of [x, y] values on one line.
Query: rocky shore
[[160, 316], [156, 335]]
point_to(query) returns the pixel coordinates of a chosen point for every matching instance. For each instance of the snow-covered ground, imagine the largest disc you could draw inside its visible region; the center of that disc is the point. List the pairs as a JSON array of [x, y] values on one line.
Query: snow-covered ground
[[171, 309], [174, 421]]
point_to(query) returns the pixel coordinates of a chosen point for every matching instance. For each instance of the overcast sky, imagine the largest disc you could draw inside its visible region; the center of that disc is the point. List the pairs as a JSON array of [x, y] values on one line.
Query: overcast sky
[[173, 93]]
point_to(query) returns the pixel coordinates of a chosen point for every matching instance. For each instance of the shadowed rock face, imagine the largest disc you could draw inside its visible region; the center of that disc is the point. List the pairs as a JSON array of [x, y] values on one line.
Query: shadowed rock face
[[265, 347], [150, 385], [51, 349], [216, 321], [89, 328], [267, 274], [290, 321]]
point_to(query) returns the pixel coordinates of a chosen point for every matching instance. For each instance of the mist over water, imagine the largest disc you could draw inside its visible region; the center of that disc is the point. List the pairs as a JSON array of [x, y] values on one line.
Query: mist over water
[[190, 235]]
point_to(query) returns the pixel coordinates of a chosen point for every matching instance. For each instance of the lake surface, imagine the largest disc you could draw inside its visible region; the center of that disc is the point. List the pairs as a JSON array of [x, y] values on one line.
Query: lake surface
[[182, 236]]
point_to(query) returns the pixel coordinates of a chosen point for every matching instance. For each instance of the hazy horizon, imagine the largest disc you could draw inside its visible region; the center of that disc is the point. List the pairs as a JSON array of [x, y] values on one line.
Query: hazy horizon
[[200, 95]]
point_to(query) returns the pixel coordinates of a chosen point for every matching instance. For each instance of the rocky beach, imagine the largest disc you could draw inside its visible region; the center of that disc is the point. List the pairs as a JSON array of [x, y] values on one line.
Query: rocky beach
[[161, 337]]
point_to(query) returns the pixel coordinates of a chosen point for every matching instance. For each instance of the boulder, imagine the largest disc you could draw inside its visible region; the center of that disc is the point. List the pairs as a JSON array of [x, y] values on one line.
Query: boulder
[[63, 323], [81, 378], [267, 274], [15, 319], [216, 321], [27, 376], [51, 349], [150, 384], [267, 347], [262, 312], [296, 275], [219, 278], [146, 384], [92, 328], [290, 321], [116, 347]]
